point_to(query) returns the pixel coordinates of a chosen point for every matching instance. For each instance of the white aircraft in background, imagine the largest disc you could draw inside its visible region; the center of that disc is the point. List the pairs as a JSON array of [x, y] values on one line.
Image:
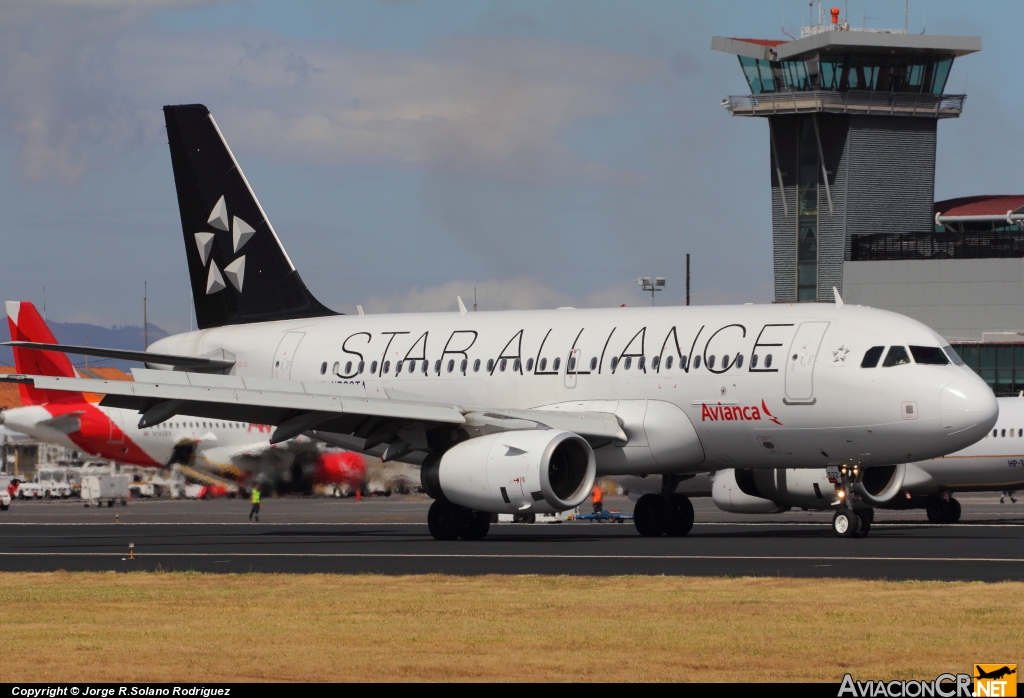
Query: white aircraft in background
[[993, 464], [518, 411], [71, 420]]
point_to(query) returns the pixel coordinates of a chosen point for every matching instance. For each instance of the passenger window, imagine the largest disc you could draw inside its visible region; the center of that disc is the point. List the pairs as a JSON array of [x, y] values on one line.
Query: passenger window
[[768, 361], [556, 363], [387, 367], [655, 362], [897, 356], [348, 368], [615, 362], [668, 362], [529, 365], [463, 366], [929, 355], [476, 365], [516, 365], [426, 367], [995, 433], [398, 368], [336, 367], [711, 361], [725, 362], [871, 357], [571, 366], [753, 361], [490, 365], [451, 365], [953, 356], [1004, 432], [412, 366], [323, 368], [543, 366], [437, 367], [504, 364], [739, 361], [640, 362], [373, 367], [696, 362], [593, 363], [362, 365]]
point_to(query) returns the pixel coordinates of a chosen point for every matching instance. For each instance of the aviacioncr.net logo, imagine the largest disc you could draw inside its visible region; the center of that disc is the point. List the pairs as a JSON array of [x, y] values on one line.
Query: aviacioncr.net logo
[[943, 686]]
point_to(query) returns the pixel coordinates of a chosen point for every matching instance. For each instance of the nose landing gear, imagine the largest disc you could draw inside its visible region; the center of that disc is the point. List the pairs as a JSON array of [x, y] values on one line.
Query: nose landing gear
[[850, 520]]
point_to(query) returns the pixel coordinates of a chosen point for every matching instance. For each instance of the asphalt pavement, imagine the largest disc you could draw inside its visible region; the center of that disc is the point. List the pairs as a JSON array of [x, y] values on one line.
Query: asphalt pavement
[[389, 536]]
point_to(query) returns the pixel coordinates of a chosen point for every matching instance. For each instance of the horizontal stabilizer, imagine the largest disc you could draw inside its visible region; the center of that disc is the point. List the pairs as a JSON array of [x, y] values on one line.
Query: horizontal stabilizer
[[195, 363]]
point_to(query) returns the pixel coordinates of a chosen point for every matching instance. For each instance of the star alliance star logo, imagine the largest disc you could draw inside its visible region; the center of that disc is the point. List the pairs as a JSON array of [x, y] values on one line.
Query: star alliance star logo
[[839, 355], [241, 232]]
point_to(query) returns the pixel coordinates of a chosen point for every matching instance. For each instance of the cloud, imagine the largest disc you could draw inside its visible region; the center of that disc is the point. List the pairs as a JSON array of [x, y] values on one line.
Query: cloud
[[82, 81]]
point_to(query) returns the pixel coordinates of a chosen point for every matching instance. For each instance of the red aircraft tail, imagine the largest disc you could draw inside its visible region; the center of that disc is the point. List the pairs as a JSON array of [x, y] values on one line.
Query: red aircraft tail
[[27, 325]]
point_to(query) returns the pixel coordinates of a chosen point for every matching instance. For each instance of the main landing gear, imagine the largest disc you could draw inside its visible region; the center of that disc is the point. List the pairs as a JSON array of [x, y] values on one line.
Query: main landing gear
[[941, 510], [664, 514], [447, 521]]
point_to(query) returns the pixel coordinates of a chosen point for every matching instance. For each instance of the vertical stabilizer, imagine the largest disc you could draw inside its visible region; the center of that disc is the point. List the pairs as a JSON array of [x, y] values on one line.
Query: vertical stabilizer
[[240, 272], [27, 325]]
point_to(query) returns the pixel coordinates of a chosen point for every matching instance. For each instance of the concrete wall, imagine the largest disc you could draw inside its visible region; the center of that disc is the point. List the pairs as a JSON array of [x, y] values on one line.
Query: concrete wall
[[959, 298]]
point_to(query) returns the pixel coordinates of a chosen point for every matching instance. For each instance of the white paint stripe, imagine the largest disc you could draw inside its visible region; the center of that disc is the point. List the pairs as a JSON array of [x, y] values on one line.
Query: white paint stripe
[[792, 558]]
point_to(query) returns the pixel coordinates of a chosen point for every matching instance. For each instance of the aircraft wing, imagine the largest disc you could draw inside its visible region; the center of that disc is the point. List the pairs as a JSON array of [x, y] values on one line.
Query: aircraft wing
[[195, 363], [295, 407]]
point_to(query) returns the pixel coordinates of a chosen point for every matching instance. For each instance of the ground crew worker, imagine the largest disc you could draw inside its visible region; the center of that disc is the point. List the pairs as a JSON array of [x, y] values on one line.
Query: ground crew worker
[[255, 511], [598, 496]]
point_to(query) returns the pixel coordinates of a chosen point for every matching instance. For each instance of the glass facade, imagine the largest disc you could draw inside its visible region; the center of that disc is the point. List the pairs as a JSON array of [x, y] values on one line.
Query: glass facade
[[807, 219], [905, 72], [1000, 365], [866, 247]]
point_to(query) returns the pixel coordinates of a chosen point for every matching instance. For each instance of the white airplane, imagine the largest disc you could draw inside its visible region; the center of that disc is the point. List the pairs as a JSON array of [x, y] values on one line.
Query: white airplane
[[73, 421], [993, 464], [518, 411]]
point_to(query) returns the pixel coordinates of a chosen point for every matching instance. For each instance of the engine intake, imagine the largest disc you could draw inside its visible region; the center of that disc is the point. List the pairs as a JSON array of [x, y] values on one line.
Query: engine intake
[[531, 470], [881, 484]]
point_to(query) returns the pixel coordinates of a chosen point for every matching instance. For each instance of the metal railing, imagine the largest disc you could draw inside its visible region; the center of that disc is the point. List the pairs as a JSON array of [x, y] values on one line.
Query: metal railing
[[972, 245], [848, 102]]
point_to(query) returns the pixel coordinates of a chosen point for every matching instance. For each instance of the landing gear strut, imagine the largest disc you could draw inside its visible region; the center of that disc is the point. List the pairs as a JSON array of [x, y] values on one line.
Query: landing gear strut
[[665, 514], [447, 521], [851, 521]]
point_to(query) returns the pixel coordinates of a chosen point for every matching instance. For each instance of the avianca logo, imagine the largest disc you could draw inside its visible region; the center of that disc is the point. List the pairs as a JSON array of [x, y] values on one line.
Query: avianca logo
[[736, 413]]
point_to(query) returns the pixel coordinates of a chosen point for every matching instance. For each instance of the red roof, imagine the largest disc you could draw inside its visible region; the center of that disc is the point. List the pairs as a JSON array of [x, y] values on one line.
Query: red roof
[[979, 205], [762, 42]]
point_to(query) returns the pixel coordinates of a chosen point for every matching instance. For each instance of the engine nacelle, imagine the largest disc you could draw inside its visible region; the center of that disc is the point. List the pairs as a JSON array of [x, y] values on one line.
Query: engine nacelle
[[532, 470], [881, 484], [727, 495]]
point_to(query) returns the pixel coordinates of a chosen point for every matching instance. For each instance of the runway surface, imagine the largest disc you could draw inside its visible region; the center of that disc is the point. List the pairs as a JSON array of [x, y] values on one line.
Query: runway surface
[[388, 536]]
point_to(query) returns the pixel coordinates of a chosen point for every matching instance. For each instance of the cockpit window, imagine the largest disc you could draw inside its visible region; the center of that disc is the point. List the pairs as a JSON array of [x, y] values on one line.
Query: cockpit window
[[871, 357], [929, 355], [953, 356], [897, 356]]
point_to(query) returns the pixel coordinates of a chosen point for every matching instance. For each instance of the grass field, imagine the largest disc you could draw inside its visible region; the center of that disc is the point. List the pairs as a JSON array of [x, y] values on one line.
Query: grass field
[[196, 627]]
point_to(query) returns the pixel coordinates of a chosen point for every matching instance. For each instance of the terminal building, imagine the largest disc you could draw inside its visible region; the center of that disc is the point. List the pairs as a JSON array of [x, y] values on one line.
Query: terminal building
[[852, 127]]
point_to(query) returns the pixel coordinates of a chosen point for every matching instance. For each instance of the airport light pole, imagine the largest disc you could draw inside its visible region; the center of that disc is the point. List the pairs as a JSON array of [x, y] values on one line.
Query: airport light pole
[[651, 284]]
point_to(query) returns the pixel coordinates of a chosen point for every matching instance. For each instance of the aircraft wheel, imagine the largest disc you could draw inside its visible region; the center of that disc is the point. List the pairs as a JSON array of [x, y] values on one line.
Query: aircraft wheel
[[524, 518], [649, 515], [954, 510], [936, 511], [445, 520], [866, 515], [476, 526], [680, 515], [845, 523], [865, 527]]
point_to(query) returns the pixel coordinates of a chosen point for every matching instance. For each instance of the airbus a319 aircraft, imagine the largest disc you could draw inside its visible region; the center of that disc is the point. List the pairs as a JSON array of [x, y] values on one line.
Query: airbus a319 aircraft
[[518, 411], [69, 419]]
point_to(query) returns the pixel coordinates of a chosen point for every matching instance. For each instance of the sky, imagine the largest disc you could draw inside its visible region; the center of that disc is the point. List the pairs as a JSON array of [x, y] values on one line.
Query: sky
[[544, 153]]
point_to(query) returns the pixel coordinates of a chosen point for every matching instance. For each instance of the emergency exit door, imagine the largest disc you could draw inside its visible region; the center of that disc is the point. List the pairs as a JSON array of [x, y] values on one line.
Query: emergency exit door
[[803, 354], [285, 354]]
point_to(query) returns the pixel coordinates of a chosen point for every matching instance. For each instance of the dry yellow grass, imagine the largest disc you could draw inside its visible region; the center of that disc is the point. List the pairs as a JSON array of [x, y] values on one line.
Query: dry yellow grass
[[196, 627]]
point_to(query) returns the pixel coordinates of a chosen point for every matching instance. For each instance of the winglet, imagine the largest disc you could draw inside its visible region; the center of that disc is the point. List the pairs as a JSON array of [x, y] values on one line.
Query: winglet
[[462, 306], [839, 299]]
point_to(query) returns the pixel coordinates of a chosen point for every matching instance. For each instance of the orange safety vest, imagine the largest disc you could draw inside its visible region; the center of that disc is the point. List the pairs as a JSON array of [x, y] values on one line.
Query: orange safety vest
[[598, 493]]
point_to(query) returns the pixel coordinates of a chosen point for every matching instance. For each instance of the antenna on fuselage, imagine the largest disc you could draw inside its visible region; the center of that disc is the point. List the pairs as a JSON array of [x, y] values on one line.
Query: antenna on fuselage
[[839, 299], [462, 306]]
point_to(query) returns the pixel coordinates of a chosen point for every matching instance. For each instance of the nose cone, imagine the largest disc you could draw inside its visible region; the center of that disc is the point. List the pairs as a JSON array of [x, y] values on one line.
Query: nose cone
[[968, 409]]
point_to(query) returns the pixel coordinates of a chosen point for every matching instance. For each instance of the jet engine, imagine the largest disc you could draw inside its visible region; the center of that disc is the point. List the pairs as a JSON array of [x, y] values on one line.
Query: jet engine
[[728, 495], [881, 484], [531, 470]]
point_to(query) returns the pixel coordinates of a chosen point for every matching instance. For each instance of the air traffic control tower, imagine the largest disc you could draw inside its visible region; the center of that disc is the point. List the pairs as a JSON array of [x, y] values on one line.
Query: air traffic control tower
[[852, 117]]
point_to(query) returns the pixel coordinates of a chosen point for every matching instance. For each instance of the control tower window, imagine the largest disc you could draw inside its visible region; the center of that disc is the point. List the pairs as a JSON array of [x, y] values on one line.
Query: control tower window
[[807, 220], [897, 356]]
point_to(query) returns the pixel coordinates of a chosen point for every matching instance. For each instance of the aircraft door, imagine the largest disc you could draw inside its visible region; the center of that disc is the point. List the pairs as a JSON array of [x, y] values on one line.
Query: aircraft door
[[800, 362], [572, 365], [116, 434], [285, 353]]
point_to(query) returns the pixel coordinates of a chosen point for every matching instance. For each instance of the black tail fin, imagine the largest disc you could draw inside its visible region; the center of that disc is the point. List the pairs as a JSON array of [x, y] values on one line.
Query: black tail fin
[[240, 271]]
